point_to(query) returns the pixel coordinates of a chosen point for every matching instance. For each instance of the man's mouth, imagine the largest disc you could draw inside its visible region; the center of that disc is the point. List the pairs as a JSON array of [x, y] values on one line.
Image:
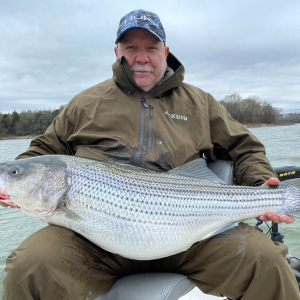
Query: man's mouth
[[142, 69], [140, 74]]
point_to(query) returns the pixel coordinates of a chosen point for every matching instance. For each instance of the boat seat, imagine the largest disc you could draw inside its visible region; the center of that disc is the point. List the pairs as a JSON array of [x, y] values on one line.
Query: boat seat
[[149, 286], [161, 286], [223, 169]]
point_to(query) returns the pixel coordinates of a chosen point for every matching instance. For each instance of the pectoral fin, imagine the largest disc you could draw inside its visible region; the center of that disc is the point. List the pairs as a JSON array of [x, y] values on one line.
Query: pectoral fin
[[224, 229], [69, 214]]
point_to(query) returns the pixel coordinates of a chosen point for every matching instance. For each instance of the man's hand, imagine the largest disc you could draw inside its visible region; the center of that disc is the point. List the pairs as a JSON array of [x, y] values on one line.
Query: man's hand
[[4, 205], [269, 215]]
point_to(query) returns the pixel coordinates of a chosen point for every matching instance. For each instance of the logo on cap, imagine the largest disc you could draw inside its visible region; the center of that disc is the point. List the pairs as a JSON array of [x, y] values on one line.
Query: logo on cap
[[141, 19]]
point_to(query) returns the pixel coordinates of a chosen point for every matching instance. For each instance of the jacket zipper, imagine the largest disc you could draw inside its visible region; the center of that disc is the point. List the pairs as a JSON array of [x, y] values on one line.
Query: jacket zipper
[[144, 105], [150, 130]]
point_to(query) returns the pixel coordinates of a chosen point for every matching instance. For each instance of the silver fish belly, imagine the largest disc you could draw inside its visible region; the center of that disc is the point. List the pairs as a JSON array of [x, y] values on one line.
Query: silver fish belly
[[141, 214]]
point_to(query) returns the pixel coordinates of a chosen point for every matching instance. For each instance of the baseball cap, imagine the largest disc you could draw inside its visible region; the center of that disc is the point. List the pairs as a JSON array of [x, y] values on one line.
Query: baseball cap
[[141, 19]]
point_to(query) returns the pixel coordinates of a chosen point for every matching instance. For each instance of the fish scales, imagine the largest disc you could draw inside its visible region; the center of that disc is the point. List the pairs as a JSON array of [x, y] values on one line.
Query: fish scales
[[135, 212]]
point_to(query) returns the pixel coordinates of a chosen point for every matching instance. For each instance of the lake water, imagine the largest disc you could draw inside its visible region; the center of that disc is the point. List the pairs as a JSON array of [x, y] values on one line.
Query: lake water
[[282, 148]]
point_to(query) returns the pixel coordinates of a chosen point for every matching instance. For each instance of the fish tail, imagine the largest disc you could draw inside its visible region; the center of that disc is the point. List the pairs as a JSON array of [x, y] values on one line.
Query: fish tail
[[294, 203]]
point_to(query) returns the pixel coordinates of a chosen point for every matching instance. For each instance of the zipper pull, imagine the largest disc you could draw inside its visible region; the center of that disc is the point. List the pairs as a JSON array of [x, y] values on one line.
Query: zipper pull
[[151, 111], [144, 102]]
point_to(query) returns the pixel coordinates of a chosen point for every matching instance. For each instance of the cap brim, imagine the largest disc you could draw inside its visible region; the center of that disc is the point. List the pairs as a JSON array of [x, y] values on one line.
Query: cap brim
[[136, 27]]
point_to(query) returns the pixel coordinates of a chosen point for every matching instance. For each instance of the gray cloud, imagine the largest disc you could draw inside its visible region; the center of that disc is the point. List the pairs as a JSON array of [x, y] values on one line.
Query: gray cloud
[[50, 51]]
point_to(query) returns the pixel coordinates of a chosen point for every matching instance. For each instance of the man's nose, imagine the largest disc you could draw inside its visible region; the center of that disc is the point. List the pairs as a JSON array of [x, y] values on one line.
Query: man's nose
[[142, 57]]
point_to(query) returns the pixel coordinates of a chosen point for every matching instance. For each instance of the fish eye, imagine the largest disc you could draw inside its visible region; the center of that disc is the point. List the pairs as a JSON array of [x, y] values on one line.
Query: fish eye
[[14, 171]]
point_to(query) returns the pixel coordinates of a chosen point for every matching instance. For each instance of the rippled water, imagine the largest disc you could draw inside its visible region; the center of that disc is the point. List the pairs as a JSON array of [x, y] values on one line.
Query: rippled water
[[282, 148], [15, 225]]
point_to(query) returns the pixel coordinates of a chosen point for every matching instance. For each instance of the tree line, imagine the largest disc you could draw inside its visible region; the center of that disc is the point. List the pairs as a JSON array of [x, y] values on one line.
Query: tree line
[[248, 110], [252, 110], [27, 122]]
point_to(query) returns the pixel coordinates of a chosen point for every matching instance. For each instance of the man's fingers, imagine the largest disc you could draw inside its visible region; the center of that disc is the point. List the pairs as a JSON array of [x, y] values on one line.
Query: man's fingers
[[270, 216], [272, 181], [286, 219]]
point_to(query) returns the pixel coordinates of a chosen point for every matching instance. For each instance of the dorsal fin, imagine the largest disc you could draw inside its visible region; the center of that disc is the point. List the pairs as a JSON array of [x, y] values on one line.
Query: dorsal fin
[[133, 167], [197, 168]]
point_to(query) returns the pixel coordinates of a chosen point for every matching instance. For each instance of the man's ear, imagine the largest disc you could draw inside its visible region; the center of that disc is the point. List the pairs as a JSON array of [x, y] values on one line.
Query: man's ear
[[116, 49], [167, 51]]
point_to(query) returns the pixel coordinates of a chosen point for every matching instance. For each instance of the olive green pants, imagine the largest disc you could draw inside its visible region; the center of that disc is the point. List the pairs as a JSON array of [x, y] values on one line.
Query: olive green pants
[[241, 263]]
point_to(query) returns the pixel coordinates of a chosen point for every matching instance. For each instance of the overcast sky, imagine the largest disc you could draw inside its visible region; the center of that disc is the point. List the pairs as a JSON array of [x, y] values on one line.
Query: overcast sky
[[52, 50]]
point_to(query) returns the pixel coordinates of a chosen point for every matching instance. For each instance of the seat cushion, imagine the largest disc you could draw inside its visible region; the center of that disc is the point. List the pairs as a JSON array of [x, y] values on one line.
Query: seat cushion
[[149, 286]]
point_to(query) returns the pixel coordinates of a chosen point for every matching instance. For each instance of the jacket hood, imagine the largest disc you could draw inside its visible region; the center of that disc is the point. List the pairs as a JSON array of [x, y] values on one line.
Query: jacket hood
[[123, 77]]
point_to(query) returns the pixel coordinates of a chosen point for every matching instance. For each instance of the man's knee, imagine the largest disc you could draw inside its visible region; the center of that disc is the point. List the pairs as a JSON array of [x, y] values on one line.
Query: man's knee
[[255, 247], [41, 248], [237, 260], [245, 245], [46, 263]]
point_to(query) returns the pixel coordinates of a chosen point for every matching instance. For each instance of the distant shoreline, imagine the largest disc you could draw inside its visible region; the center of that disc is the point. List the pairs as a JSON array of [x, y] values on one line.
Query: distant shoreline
[[254, 125], [14, 137]]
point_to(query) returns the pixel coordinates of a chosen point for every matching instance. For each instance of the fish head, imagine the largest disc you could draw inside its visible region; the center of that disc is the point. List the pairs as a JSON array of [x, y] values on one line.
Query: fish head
[[34, 185]]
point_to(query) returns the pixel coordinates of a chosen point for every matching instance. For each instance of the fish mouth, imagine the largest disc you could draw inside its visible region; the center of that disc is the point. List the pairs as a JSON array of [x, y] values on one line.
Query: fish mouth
[[3, 197], [3, 183], [39, 214], [32, 212], [6, 199]]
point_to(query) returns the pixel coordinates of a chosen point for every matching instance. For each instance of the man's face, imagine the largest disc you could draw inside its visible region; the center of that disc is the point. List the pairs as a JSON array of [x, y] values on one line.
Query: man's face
[[146, 56]]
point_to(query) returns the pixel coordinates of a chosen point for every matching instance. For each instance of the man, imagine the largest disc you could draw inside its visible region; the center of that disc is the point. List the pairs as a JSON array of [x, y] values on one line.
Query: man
[[145, 115]]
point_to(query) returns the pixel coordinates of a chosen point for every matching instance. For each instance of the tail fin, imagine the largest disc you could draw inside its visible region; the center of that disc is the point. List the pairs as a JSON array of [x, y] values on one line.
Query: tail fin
[[294, 205], [293, 182]]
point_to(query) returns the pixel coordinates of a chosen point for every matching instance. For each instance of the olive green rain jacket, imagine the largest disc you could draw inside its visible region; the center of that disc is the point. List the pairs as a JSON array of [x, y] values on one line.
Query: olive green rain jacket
[[161, 129]]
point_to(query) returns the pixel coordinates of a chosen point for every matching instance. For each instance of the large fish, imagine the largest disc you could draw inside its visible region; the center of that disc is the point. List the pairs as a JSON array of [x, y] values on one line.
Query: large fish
[[134, 212]]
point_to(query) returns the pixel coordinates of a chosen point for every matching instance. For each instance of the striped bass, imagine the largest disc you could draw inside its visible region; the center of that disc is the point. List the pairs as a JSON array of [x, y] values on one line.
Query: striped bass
[[134, 212]]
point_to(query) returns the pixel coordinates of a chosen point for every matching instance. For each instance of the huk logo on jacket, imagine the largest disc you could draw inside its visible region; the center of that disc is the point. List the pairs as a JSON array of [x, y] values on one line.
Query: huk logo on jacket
[[175, 116]]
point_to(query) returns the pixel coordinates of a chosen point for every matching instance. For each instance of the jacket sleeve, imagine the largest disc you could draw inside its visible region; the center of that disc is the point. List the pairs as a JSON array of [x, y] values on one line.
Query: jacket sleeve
[[231, 140], [55, 139]]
